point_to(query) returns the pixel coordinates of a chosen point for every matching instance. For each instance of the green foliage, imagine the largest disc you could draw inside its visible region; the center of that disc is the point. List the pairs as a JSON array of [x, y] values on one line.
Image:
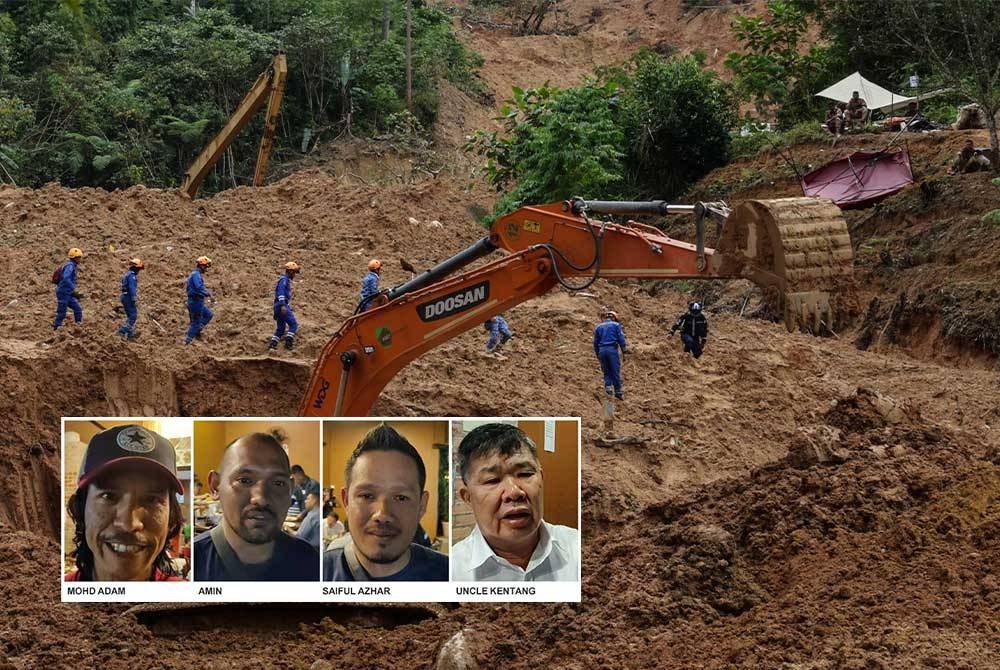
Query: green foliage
[[676, 119], [752, 144], [556, 144], [649, 127], [108, 92], [992, 216], [775, 72]]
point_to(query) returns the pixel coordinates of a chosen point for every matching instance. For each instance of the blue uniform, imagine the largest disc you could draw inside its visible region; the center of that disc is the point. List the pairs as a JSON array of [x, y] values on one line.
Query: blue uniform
[[608, 339], [499, 333], [198, 311], [64, 295], [369, 287], [283, 298], [130, 301]]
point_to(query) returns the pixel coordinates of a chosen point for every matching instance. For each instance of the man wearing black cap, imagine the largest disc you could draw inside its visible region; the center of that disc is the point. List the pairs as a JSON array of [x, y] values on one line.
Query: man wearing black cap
[[125, 507], [254, 484]]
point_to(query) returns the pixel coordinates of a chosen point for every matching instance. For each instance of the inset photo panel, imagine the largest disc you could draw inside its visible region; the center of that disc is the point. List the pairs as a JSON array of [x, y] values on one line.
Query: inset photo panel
[[516, 493], [258, 504], [126, 491], [387, 515]]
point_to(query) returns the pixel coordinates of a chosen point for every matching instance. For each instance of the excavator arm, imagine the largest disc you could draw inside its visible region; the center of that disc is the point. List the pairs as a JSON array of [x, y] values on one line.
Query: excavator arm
[[797, 249], [372, 346], [269, 88]]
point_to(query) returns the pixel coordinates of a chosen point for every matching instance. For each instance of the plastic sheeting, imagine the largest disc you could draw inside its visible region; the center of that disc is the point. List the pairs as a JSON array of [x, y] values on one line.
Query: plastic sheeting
[[876, 96], [860, 179]]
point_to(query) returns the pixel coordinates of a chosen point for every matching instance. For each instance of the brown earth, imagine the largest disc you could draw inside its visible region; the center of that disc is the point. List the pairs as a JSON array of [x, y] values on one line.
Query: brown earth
[[800, 503]]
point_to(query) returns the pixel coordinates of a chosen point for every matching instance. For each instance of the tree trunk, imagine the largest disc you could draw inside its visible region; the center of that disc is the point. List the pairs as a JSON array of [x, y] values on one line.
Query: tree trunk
[[386, 12], [991, 124], [409, 57]]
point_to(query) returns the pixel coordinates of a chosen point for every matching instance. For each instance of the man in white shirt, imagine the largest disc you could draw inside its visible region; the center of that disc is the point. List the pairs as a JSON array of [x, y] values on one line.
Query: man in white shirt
[[502, 482]]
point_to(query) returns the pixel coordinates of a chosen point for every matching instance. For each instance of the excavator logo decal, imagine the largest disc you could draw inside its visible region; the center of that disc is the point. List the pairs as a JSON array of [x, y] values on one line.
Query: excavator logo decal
[[455, 302], [324, 386], [384, 336]]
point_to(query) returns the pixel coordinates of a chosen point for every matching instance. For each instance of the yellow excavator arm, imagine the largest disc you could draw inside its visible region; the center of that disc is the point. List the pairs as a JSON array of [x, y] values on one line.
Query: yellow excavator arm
[[269, 87]]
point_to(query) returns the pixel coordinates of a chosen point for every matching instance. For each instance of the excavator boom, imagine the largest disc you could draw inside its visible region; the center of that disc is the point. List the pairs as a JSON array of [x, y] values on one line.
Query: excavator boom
[[372, 346], [269, 87]]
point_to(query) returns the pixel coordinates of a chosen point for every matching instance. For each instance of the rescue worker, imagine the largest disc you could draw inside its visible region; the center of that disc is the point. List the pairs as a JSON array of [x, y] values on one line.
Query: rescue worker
[[283, 314], [130, 298], [694, 329], [608, 339], [369, 285], [66, 295], [969, 160], [197, 293], [499, 333]]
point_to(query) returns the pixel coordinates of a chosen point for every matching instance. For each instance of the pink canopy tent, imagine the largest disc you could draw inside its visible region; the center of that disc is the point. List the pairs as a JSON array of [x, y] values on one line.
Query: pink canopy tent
[[860, 179]]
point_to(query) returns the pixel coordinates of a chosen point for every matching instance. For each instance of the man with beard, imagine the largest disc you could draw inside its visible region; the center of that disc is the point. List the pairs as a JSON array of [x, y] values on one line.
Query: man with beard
[[502, 483], [384, 497], [125, 508], [254, 484]]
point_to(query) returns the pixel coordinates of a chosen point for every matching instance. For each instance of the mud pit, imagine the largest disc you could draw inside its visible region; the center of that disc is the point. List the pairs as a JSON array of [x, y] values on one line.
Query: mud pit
[[872, 544]]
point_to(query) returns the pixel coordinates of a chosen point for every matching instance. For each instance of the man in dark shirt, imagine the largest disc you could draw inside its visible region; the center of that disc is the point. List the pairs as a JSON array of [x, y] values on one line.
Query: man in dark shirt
[[303, 486], [253, 483], [384, 497]]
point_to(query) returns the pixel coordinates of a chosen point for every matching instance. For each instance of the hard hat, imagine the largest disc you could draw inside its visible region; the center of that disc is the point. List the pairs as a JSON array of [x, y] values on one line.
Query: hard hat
[[695, 307], [75, 253], [610, 313], [136, 263], [204, 261], [375, 264], [292, 265]]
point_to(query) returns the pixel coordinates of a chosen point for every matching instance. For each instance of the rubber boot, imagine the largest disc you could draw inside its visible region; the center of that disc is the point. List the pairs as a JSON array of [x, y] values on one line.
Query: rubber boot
[[273, 344], [289, 342]]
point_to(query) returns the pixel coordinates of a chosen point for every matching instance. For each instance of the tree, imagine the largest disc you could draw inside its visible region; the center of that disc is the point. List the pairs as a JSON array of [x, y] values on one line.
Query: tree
[[775, 71]]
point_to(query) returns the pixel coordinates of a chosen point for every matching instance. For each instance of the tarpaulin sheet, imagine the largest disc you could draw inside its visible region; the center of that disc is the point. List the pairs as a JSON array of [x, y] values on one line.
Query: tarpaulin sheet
[[860, 179]]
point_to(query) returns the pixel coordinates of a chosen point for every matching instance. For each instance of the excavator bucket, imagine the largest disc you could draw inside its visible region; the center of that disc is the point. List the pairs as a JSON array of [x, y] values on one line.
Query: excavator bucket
[[798, 251]]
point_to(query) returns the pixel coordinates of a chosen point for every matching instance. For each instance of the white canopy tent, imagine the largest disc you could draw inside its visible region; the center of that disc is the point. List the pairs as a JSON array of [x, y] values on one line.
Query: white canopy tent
[[876, 96]]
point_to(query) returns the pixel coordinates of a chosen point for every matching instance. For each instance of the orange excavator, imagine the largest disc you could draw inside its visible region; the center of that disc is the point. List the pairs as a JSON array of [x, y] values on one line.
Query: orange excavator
[[269, 88], [797, 249]]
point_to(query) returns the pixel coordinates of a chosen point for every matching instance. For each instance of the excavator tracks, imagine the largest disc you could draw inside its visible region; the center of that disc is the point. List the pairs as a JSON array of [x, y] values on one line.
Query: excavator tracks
[[799, 251]]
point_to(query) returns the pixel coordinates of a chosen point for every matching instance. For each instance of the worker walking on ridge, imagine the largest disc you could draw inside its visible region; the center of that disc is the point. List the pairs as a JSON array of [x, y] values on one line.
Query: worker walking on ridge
[[694, 329], [130, 298], [369, 285], [283, 314], [499, 334], [66, 295], [608, 339], [197, 293]]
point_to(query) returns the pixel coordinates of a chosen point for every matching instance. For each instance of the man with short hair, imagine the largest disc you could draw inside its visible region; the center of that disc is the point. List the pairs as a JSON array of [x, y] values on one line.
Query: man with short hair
[[303, 486], [502, 483], [309, 529], [125, 508], [254, 484], [384, 497]]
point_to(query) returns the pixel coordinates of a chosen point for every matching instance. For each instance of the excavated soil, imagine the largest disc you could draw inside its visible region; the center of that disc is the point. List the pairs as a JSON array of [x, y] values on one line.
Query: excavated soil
[[797, 502]]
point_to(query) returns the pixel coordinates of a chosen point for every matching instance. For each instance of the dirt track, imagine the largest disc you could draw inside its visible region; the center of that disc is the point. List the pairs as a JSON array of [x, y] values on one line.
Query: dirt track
[[778, 517]]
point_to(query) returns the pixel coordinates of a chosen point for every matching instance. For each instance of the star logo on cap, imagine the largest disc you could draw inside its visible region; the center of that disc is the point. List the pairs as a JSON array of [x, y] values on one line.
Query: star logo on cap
[[136, 440]]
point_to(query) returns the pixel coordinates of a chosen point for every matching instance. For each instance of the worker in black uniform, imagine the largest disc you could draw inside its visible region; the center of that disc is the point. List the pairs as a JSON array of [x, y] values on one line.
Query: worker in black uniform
[[694, 329]]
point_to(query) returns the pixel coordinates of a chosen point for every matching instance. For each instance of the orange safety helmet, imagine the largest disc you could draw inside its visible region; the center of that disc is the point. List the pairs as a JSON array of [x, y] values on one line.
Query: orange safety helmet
[[375, 265], [136, 263], [610, 313], [203, 261], [292, 265], [75, 253]]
